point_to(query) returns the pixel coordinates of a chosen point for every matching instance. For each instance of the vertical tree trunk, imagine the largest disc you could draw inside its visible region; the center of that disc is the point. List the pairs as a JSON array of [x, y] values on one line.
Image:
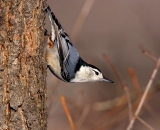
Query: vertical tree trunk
[[22, 65]]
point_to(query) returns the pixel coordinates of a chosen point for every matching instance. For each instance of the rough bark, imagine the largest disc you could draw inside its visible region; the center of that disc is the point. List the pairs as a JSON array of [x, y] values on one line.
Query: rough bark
[[22, 65]]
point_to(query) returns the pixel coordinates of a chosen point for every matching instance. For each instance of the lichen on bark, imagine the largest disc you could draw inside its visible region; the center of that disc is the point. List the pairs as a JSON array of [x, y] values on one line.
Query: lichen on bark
[[22, 65]]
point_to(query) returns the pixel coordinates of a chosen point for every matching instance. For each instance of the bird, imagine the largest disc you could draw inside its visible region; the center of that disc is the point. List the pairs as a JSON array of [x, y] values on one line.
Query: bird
[[64, 61]]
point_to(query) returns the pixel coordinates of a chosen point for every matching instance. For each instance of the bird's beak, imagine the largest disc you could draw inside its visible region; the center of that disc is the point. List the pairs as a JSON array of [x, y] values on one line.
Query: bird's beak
[[107, 80]]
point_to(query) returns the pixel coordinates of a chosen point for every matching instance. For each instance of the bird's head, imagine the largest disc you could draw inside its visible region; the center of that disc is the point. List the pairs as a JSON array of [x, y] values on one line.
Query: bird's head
[[90, 73]]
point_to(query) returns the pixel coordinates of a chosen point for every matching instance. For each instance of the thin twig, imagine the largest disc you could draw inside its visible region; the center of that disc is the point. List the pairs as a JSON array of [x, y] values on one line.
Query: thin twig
[[144, 95], [144, 123], [116, 115], [115, 70], [81, 18], [67, 112], [83, 115], [152, 112], [118, 112], [125, 87], [109, 104], [79, 103], [134, 81], [129, 102], [147, 53]]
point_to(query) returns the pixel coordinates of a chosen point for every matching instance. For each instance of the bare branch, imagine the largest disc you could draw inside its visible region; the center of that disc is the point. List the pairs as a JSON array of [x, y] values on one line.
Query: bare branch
[[81, 18], [134, 80], [67, 112], [144, 95], [152, 112], [125, 87], [144, 123], [147, 53], [83, 115]]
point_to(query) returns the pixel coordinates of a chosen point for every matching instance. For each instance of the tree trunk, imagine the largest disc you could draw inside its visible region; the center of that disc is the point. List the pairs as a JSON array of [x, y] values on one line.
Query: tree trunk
[[22, 65]]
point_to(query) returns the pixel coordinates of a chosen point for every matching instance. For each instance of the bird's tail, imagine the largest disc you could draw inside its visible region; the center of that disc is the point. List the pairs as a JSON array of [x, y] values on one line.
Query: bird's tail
[[53, 18]]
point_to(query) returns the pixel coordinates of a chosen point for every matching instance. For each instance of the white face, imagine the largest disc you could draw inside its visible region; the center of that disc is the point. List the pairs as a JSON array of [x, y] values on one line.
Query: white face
[[88, 74]]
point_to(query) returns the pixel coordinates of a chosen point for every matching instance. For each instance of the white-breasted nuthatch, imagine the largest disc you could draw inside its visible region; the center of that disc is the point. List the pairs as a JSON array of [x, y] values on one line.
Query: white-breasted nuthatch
[[63, 59]]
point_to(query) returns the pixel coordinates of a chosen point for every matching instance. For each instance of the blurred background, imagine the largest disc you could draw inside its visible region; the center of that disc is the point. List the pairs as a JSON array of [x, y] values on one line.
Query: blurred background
[[116, 28]]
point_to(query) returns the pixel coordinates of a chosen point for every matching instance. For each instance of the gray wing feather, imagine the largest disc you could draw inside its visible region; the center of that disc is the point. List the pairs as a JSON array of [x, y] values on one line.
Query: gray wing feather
[[67, 53], [70, 55]]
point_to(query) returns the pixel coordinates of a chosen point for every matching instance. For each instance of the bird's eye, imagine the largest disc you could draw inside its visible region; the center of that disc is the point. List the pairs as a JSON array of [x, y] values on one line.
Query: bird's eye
[[96, 72]]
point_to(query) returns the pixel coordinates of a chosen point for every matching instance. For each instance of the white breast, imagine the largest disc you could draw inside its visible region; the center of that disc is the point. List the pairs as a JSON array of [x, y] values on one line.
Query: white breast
[[52, 58]]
